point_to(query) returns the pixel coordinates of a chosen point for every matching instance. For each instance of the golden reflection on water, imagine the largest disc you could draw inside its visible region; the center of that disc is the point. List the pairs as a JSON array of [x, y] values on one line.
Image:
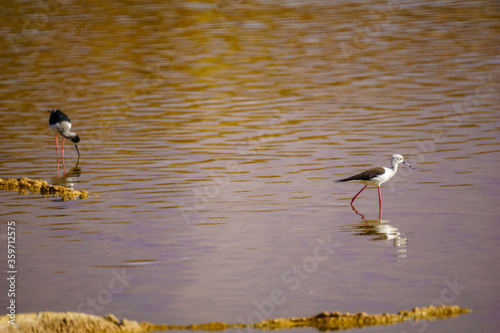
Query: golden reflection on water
[[196, 112]]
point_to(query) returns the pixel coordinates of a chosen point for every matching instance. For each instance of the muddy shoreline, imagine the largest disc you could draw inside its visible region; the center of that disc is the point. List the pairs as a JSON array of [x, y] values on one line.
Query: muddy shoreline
[[62, 322], [25, 185]]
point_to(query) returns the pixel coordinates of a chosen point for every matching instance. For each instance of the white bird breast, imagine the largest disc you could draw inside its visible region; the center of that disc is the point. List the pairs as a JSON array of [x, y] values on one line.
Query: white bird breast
[[62, 128]]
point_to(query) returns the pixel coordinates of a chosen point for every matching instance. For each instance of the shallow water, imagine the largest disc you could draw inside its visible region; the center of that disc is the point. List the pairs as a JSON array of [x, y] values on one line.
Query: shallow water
[[211, 133]]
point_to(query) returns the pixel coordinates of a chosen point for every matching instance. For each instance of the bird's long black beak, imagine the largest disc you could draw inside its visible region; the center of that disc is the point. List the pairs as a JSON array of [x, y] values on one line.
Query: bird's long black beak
[[77, 150], [408, 165]]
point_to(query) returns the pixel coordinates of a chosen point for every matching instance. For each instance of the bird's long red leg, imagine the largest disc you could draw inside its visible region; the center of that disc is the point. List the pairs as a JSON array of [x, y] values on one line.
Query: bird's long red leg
[[57, 155], [62, 151], [379, 198], [57, 149], [64, 167], [358, 194]]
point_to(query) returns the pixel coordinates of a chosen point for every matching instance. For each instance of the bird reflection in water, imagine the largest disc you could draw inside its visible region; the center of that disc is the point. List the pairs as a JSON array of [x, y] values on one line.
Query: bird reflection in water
[[378, 230], [74, 172], [69, 177]]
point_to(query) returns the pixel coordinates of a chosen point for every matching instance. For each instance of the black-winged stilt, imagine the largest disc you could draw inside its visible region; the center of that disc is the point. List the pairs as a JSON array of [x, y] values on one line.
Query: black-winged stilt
[[376, 176], [59, 123]]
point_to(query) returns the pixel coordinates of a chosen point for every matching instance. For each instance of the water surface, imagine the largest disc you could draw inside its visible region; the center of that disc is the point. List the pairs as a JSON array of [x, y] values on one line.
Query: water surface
[[211, 135]]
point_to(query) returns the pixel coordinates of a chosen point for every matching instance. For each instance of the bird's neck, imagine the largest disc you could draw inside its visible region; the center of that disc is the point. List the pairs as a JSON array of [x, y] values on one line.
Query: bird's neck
[[68, 134], [394, 166]]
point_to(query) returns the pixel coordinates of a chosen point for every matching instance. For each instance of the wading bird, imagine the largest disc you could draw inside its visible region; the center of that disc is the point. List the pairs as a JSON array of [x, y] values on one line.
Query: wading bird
[[59, 123], [376, 176]]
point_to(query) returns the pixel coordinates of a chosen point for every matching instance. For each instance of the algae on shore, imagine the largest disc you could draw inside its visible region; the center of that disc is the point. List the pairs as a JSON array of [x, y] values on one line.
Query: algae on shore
[[24, 185], [62, 322]]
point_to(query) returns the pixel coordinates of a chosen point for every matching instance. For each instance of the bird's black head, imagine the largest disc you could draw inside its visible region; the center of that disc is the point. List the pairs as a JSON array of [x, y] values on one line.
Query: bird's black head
[[75, 139]]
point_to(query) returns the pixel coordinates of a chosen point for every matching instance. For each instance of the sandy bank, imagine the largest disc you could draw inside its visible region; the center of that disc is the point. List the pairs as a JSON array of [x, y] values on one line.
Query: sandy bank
[[24, 185], [69, 322]]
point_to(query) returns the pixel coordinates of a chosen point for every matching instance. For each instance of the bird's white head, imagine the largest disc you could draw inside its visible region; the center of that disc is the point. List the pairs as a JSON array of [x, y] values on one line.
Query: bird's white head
[[398, 159]]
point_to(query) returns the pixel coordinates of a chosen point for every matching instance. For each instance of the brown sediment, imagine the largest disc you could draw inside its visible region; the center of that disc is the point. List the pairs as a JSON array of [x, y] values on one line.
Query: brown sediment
[[342, 321], [25, 185], [69, 322]]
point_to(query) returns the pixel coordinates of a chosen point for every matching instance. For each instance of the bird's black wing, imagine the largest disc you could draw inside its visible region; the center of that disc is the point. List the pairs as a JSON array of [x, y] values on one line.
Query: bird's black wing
[[57, 117], [365, 175]]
